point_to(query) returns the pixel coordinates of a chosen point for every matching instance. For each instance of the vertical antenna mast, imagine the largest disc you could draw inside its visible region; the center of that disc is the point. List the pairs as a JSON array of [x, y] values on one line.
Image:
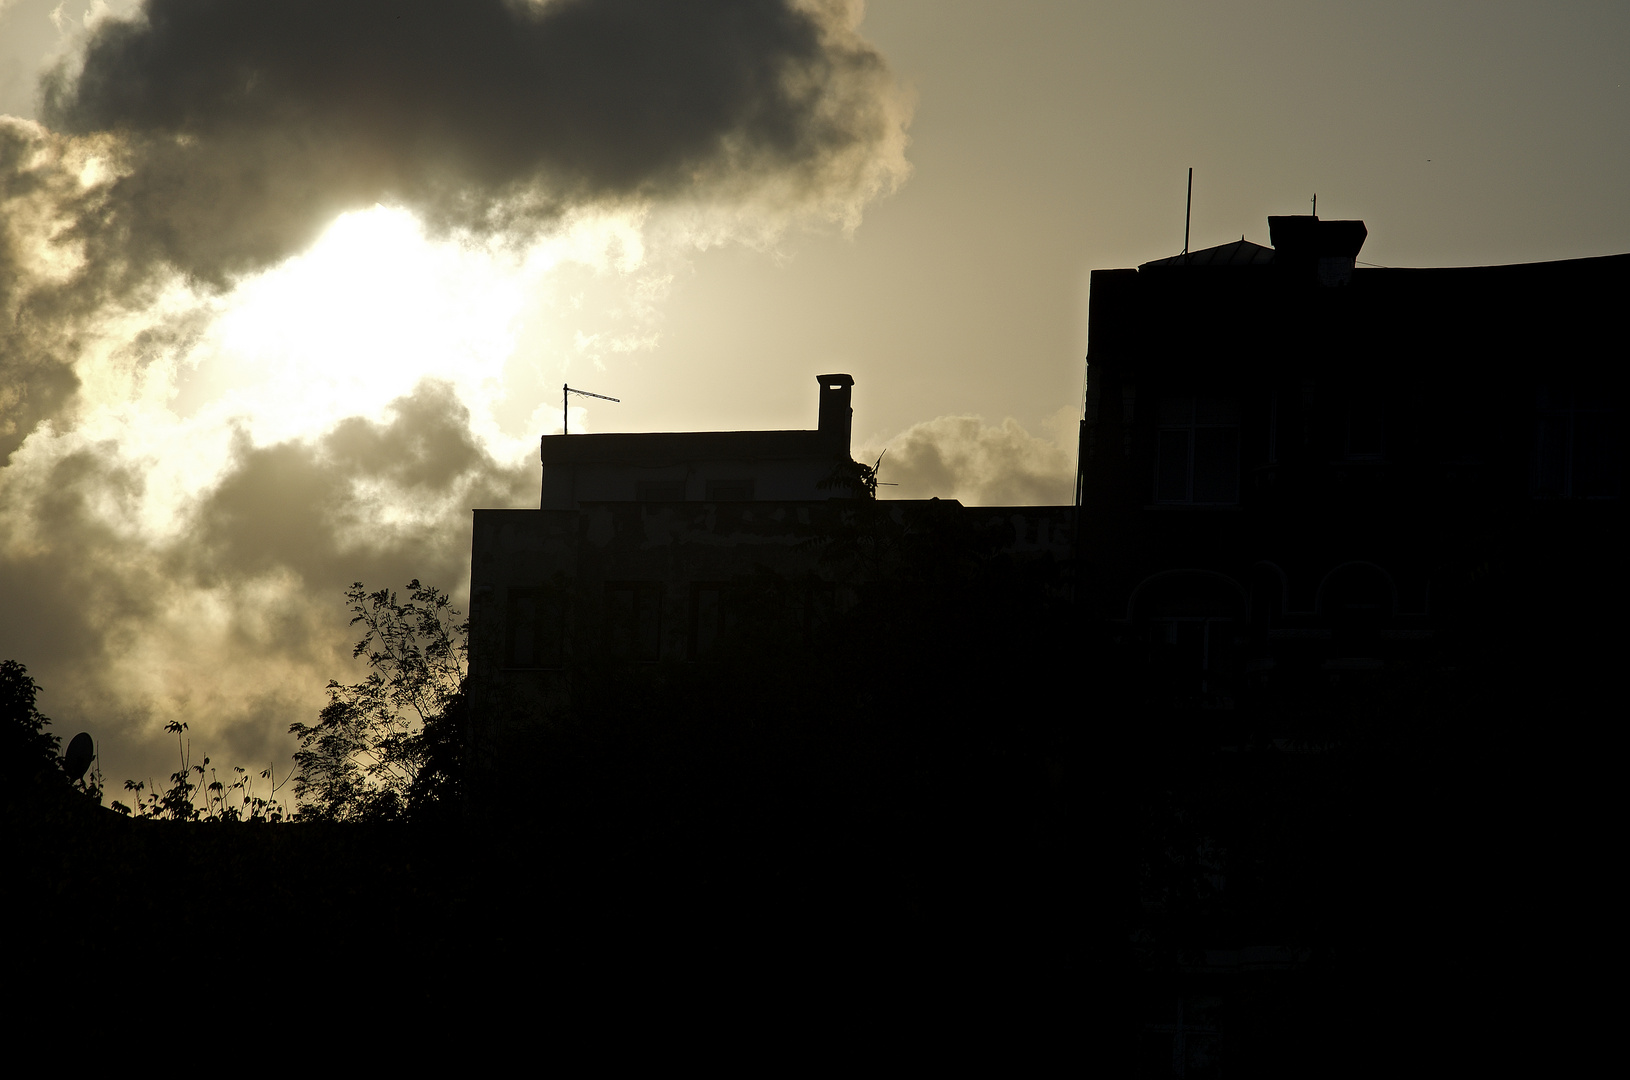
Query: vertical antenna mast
[[1315, 204], [564, 390], [1188, 209]]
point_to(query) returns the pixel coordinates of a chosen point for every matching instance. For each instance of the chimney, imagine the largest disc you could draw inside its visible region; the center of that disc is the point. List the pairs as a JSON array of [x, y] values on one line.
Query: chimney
[[837, 418], [1313, 251]]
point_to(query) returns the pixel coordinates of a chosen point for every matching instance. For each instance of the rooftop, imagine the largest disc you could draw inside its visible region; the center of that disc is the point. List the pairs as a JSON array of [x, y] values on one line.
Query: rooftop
[[1239, 253]]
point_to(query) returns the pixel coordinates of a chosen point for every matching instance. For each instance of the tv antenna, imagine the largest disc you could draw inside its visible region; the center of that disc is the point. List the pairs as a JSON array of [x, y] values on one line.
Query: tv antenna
[[1188, 209], [567, 390], [1315, 204], [878, 465]]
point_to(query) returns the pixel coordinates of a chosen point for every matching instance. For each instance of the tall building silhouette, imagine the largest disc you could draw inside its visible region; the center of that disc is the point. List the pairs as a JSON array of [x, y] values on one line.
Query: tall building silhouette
[[1283, 452]]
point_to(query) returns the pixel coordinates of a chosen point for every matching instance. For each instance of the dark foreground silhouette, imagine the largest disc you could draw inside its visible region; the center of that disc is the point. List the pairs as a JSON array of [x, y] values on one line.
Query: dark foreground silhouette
[[953, 807]]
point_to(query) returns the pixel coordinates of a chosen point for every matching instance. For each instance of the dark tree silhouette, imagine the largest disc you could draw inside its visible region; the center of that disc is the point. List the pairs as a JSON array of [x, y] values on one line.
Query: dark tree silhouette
[[388, 746], [26, 748], [31, 768]]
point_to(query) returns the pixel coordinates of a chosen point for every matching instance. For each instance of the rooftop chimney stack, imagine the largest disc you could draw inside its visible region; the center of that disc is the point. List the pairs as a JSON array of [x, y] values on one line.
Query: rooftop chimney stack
[[837, 418], [1314, 251]]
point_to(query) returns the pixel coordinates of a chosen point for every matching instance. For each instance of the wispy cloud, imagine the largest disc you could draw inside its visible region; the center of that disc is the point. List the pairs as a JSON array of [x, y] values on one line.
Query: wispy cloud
[[964, 458]]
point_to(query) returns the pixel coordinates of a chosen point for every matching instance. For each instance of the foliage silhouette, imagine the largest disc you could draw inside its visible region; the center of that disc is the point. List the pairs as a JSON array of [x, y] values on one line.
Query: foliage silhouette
[[389, 747], [383, 749], [854, 477], [197, 792], [26, 748], [30, 761]]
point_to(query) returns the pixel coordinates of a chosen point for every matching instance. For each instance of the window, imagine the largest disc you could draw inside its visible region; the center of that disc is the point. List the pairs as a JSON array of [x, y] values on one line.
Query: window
[[634, 619], [659, 491], [1194, 651], [533, 629], [1273, 431], [729, 491], [1366, 429], [1198, 451], [1577, 453], [712, 618], [1192, 1047]]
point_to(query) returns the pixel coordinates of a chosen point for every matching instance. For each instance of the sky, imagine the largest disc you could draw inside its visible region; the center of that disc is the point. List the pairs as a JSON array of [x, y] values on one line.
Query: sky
[[290, 288]]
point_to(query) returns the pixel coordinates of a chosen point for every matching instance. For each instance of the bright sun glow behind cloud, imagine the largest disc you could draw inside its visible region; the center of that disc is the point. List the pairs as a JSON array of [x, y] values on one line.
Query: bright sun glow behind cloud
[[357, 321], [374, 308], [203, 419]]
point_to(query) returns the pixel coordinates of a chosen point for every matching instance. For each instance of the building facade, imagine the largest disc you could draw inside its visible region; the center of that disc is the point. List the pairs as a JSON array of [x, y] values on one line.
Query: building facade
[[1285, 457], [701, 466], [1293, 472], [1346, 529], [644, 547], [1287, 463]]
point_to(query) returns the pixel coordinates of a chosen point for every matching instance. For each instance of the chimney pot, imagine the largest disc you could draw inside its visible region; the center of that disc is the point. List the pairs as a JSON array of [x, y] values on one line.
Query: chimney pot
[[836, 417]]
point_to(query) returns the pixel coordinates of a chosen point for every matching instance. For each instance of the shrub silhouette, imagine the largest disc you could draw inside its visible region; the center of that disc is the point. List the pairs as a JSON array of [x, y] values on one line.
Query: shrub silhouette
[[31, 767], [198, 793], [388, 747]]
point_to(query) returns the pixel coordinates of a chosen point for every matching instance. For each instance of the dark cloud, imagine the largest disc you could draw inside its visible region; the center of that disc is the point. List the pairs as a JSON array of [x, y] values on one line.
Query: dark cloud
[[320, 508], [217, 137], [73, 573], [32, 388], [235, 620], [249, 125], [35, 379], [201, 140], [427, 446]]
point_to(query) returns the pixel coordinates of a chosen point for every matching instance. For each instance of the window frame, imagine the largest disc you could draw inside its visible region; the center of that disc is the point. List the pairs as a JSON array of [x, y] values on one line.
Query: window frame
[[636, 651], [724, 617], [1192, 427], [1356, 410], [1566, 403], [715, 490], [549, 606], [661, 491]]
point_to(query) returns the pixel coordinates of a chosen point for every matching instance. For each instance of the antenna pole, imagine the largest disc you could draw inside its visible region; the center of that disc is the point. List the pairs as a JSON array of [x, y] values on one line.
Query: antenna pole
[[1188, 209], [1315, 204], [564, 412]]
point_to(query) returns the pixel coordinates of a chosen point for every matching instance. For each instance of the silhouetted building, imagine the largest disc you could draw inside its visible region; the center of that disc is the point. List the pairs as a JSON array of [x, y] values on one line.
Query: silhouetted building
[[1295, 474], [641, 544], [701, 466], [636, 535], [1283, 453], [1308, 489]]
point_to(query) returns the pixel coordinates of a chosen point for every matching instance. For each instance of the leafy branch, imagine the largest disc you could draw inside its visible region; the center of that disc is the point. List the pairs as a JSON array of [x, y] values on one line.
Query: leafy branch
[[198, 793], [857, 478], [380, 746]]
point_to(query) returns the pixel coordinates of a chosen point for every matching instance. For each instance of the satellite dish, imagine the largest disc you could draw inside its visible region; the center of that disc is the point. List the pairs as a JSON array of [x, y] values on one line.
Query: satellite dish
[[81, 752]]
